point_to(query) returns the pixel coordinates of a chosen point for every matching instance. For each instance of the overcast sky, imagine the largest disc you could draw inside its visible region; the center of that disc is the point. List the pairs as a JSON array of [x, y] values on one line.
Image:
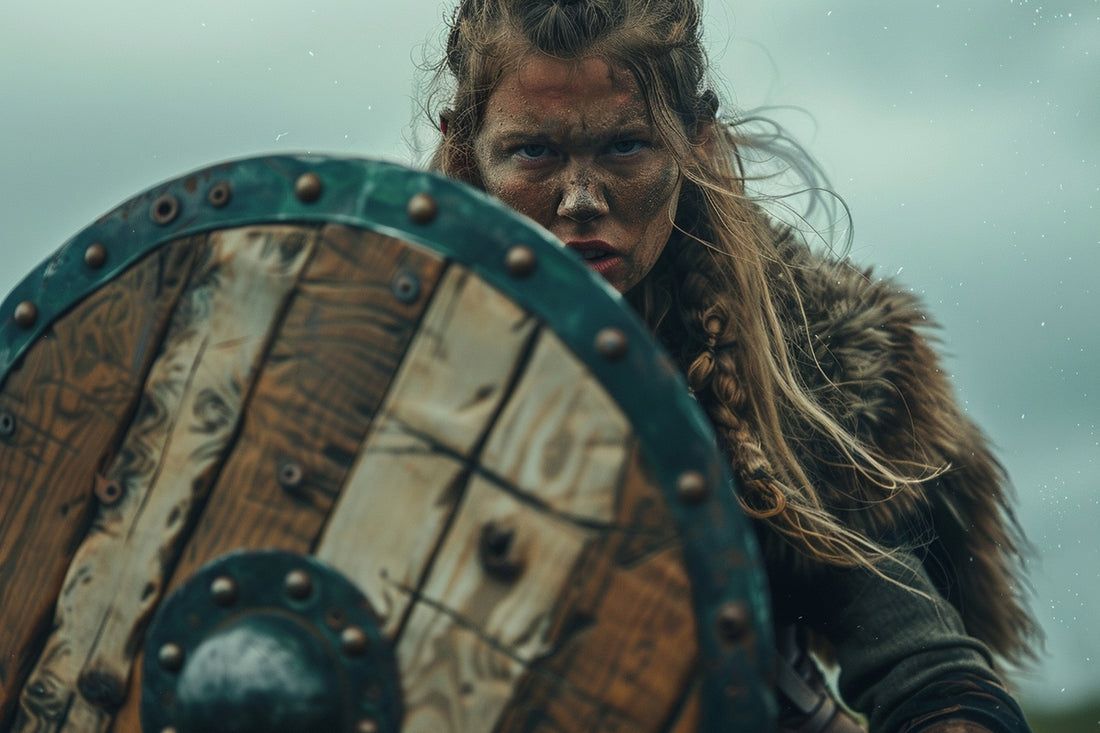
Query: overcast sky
[[965, 137]]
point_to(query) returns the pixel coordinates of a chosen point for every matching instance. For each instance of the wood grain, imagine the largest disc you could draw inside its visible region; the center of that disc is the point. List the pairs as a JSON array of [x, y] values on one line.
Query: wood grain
[[70, 397], [319, 391], [561, 439], [188, 414], [688, 719], [470, 635], [326, 374], [623, 639], [462, 361], [409, 476]]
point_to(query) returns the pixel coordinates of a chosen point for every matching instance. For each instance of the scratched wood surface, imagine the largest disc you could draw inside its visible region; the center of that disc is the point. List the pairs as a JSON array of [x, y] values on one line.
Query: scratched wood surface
[[561, 439], [623, 637], [188, 415], [471, 635], [324, 378], [70, 399], [315, 399], [590, 625], [400, 496], [490, 426], [688, 719]]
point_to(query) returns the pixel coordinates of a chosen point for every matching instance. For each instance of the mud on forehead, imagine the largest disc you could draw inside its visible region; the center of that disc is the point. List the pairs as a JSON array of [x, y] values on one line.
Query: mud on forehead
[[550, 92]]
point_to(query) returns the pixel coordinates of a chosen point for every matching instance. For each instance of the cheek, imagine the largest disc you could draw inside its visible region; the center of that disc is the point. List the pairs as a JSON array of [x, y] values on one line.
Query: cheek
[[657, 192], [526, 198], [655, 200]]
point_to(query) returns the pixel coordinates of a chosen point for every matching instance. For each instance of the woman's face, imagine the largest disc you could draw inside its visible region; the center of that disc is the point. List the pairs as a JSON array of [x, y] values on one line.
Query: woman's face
[[569, 144]]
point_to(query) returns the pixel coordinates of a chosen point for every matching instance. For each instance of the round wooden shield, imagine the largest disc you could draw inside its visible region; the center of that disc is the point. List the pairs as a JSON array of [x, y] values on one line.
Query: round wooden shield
[[360, 448]]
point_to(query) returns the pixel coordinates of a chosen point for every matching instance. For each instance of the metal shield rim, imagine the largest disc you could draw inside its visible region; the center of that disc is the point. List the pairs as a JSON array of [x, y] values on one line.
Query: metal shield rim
[[720, 550]]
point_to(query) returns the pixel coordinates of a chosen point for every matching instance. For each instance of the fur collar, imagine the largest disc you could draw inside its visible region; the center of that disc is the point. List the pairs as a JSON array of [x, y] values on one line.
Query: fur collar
[[864, 349]]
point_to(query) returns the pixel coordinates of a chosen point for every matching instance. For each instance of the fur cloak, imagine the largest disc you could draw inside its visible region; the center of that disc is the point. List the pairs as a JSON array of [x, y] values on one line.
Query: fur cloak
[[864, 349]]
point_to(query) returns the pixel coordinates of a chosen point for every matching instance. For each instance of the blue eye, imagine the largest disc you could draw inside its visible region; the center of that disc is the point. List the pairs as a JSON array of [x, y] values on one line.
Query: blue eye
[[533, 151], [626, 147]]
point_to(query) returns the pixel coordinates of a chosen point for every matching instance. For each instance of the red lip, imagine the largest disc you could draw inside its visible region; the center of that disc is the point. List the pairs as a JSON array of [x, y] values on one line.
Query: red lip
[[607, 261], [591, 245]]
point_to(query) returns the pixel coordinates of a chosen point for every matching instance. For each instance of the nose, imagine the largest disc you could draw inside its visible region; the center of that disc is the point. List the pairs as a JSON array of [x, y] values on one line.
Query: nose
[[582, 200]]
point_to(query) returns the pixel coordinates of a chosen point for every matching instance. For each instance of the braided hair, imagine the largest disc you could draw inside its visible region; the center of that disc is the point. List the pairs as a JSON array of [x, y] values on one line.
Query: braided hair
[[709, 297]]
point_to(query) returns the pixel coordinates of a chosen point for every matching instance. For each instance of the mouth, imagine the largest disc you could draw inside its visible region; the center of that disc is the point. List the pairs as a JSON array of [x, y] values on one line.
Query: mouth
[[593, 252], [601, 258], [593, 255]]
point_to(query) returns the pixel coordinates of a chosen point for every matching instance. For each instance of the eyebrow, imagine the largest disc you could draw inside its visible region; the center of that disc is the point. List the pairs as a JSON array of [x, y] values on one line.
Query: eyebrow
[[616, 132]]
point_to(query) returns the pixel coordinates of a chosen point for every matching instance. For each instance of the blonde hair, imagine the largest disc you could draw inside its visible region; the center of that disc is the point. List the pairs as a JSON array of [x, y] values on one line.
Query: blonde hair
[[709, 298]]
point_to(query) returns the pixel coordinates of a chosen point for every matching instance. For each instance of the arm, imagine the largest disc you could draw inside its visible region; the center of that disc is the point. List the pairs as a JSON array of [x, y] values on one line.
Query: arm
[[905, 658]]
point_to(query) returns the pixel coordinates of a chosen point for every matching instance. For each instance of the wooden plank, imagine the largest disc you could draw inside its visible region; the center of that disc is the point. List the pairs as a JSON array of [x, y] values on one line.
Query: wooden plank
[[623, 637], [324, 379], [70, 397], [462, 361], [397, 503], [561, 439], [471, 635], [327, 372], [189, 413], [387, 526], [688, 719]]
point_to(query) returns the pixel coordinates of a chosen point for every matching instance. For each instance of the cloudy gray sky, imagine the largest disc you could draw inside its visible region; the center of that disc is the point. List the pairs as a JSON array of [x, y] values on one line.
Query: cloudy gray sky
[[963, 135]]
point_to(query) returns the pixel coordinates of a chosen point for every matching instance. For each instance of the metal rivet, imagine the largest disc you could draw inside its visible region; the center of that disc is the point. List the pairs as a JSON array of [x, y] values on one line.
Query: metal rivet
[[26, 313], [107, 491], [165, 209], [733, 622], [354, 641], [366, 725], [7, 424], [223, 590], [219, 194], [308, 188], [298, 585], [171, 657], [102, 689], [692, 487], [335, 618], [95, 256], [521, 260], [611, 344], [406, 287], [422, 208], [290, 475], [497, 551]]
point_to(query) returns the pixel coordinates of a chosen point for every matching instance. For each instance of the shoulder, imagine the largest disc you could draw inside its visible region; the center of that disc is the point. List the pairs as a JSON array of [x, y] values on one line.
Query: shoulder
[[865, 349], [860, 343]]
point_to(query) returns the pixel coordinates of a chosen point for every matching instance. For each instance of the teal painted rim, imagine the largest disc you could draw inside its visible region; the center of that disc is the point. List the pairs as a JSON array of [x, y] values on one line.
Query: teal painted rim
[[476, 231]]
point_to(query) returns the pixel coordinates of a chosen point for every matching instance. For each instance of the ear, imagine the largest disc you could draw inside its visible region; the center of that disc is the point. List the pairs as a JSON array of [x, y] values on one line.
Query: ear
[[457, 160], [463, 166]]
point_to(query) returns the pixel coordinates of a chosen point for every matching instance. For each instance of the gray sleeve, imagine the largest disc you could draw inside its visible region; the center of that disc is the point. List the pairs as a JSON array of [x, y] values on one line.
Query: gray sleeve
[[894, 639]]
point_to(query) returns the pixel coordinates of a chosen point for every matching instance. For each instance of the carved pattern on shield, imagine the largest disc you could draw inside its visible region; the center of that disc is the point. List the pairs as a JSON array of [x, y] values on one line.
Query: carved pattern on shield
[[186, 418], [67, 403], [326, 373]]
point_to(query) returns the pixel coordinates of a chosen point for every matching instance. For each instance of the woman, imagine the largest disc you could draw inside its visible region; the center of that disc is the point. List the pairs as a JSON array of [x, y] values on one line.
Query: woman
[[880, 509]]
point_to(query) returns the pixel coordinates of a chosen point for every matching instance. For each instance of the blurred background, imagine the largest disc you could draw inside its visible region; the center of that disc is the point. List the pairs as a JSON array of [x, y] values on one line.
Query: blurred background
[[964, 137]]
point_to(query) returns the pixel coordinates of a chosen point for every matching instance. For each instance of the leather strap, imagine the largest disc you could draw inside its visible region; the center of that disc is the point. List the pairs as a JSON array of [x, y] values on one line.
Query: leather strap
[[808, 706]]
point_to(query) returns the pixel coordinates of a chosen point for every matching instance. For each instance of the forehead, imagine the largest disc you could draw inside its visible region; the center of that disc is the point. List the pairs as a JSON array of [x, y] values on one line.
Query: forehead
[[543, 90]]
